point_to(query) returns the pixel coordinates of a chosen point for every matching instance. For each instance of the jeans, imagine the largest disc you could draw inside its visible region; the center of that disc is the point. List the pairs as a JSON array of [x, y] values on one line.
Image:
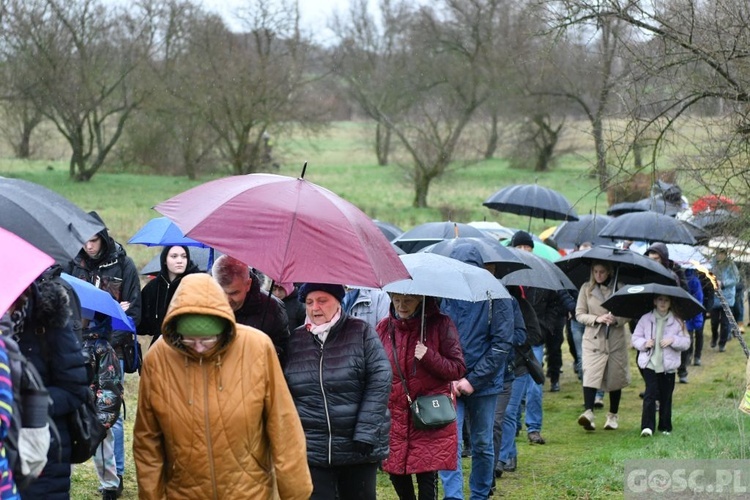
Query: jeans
[[534, 393], [512, 414], [104, 462], [119, 434], [576, 331], [481, 410], [502, 404]]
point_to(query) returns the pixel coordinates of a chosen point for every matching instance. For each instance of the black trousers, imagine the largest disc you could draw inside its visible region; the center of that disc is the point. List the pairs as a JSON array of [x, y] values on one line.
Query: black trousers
[[554, 343], [659, 387], [427, 485], [719, 319], [344, 482]]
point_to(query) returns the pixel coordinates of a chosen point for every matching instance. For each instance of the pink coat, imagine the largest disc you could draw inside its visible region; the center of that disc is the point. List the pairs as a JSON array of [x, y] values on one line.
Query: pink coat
[[414, 451], [674, 328]]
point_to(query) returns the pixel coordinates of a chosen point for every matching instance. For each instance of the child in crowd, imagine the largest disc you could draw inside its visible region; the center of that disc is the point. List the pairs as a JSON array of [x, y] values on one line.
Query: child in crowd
[[659, 337], [104, 366]]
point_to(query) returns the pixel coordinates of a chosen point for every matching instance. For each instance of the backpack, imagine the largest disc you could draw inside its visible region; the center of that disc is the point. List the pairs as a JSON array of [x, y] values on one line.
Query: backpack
[[28, 439]]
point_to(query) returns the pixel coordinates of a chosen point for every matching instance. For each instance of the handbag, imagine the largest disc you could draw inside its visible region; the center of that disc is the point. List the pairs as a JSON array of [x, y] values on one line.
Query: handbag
[[532, 364], [86, 431], [430, 411]]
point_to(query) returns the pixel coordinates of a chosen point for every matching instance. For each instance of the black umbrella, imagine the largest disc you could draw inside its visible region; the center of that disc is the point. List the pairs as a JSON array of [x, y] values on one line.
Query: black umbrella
[[428, 233], [649, 227], [630, 267], [45, 219], [636, 300], [625, 207], [715, 223], [570, 234], [532, 200], [540, 274], [390, 231], [491, 250]]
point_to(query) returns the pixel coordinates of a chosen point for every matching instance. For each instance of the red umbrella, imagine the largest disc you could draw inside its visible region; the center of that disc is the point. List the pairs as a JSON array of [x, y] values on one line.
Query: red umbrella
[[20, 264], [714, 202], [291, 229]]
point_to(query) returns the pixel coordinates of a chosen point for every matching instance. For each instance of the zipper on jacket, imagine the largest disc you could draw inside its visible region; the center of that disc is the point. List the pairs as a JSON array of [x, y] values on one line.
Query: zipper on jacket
[[325, 404], [208, 427]]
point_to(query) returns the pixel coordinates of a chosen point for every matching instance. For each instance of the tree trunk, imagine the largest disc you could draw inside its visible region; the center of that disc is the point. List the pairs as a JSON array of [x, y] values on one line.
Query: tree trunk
[[601, 153], [637, 154], [23, 148], [421, 187], [382, 143], [494, 138], [545, 142]]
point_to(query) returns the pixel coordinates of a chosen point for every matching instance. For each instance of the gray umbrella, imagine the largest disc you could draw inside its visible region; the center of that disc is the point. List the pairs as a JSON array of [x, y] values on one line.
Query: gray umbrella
[[45, 219], [533, 200], [650, 227], [570, 234], [492, 251], [428, 233], [541, 273]]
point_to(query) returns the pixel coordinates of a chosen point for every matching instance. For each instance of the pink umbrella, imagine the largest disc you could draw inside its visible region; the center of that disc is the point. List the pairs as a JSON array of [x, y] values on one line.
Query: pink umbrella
[[20, 264], [291, 229]]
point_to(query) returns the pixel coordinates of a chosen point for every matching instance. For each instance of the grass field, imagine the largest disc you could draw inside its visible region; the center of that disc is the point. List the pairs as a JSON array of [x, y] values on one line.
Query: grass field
[[573, 463]]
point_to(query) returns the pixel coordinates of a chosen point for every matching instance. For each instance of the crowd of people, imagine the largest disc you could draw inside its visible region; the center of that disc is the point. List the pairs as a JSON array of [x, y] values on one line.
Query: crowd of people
[[305, 390]]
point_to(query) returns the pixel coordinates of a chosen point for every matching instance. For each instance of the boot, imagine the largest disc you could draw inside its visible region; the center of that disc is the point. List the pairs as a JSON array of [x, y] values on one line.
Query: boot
[[109, 494], [587, 420], [119, 486], [611, 422]]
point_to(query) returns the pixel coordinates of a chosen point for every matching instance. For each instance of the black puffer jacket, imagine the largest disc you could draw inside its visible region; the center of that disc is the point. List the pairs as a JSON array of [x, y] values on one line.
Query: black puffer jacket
[[341, 391], [114, 272], [157, 294], [57, 355], [266, 313]]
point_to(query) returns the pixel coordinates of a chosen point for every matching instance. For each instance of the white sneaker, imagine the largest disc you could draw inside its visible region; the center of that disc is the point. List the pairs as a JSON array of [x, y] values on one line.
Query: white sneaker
[[611, 422], [666, 433], [587, 420], [647, 433]]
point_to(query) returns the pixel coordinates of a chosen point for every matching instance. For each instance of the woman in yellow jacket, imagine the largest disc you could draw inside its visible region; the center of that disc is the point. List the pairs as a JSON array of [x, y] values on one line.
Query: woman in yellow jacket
[[215, 418]]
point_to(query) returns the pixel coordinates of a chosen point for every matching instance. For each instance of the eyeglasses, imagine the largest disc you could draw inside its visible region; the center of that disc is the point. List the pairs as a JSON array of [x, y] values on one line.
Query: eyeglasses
[[204, 341]]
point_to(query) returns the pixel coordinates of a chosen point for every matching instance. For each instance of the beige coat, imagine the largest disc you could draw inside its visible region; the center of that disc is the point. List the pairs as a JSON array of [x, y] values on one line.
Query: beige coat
[[605, 359], [220, 426]]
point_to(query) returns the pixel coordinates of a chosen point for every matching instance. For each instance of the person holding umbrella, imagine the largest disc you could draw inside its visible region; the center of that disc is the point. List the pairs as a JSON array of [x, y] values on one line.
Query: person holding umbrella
[[659, 337], [604, 348], [340, 380], [425, 353]]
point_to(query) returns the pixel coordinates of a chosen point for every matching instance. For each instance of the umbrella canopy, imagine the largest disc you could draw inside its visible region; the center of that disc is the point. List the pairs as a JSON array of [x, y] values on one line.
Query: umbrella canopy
[[532, 200], [540, 274], [45, 219], [491, 250], [94, 299], [493, 229], [390, 231], [439, 276], [20, 264], [650, 227], [715, 223], [541, 250], [570, 234], [636, 300], [630, 267], [290, 229], [625, 207], [428, 233], [685, 255], [162, 232]]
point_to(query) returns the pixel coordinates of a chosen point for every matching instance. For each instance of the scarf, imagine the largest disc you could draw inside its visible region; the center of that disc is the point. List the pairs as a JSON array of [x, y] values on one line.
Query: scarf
[[323, 330], [656, 362]]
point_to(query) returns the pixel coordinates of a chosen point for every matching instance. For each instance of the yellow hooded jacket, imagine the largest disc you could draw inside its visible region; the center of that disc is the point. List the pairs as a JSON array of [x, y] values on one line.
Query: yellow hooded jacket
[[221, 425]]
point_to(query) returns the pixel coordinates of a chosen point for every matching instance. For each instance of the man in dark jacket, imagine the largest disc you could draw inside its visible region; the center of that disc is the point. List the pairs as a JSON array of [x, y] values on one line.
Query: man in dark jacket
[[486, 331], [251, 305], [104, 263]]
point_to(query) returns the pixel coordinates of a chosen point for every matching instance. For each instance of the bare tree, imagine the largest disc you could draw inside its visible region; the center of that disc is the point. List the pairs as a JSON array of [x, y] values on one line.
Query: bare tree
[[78, 59], [440, 76]]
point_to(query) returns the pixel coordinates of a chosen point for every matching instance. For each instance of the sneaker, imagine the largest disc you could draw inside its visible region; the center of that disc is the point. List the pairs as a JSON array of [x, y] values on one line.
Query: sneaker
[[647, 433], [697, 362], [666, 433], [611, 422], [109, 494], [554, 387], [722, 348], [713, 344], [598, 402], [587, 420], [510, 465], [119, 486], [536, 438], [683, 379]]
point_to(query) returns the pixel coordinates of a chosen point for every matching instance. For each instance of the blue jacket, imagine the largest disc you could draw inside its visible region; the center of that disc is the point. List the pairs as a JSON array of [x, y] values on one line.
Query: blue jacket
[[486, 331], [726, 272], [696, 290]]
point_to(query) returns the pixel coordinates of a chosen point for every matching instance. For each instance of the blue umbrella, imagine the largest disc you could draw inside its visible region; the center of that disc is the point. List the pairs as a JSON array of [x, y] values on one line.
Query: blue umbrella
[[95, 300], [164, 233]]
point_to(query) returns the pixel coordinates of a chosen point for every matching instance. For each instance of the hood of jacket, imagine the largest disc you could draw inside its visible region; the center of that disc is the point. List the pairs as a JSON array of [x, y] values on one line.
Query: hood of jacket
[[198, 294], [467, 253]]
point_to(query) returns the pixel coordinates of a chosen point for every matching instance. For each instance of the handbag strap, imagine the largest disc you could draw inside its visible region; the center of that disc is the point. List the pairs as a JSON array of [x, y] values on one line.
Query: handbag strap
[[398, 366]]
